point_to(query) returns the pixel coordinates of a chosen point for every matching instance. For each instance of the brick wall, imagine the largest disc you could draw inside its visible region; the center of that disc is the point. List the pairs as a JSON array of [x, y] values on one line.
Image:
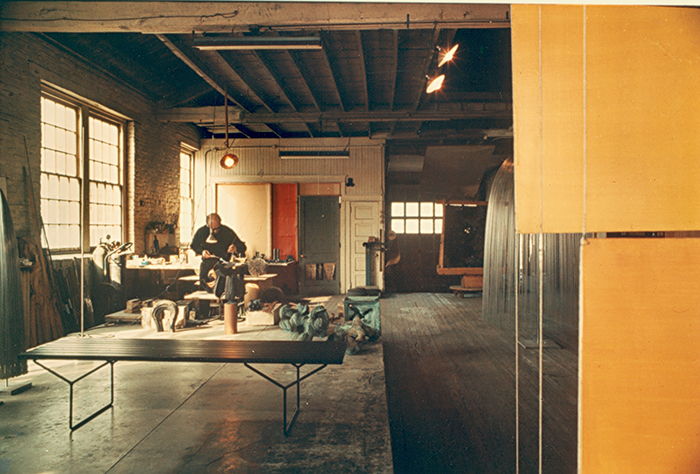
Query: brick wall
[[153, 163]]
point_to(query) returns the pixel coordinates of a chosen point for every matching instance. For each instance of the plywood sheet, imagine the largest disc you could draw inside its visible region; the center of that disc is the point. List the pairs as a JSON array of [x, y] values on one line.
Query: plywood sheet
[[247, 209], [640, 356], [612, 91]]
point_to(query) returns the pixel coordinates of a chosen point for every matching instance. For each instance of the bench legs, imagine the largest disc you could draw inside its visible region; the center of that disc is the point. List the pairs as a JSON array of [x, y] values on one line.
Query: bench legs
[[287, 427], [73, 382]]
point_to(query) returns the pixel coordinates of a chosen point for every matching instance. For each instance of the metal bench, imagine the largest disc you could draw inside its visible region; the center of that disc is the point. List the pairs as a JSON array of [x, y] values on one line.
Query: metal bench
[[296, 353]]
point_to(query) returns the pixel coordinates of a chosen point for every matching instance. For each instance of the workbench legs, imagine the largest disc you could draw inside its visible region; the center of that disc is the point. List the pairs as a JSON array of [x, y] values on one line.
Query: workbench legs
[[287, 427], [72, 426]]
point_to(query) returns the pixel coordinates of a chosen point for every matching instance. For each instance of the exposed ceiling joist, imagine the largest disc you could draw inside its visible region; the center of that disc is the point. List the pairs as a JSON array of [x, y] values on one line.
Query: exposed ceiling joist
[[197, 66], [366, 81], [204, 114], [186, 17], [363, 69]]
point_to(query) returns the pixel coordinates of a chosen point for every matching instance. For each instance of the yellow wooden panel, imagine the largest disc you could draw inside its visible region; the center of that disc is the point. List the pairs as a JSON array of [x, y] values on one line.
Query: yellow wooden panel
[[554, 137], [642, 149], [526, 114], [644, 118], [640, 356]]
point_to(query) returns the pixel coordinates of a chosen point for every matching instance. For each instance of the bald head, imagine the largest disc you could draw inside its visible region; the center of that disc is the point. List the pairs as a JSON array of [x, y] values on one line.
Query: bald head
[[214, 220]]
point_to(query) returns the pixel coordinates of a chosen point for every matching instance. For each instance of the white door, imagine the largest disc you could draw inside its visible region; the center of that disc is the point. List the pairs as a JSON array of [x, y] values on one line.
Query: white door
[[364, 222]]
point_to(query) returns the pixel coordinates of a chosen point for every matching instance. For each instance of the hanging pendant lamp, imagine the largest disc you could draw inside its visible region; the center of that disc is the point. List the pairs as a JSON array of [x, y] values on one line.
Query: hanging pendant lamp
[[229, 160]]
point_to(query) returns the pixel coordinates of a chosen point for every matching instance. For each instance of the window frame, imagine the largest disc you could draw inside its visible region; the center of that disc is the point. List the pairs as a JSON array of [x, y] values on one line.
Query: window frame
[[186, 234], [412, 214], [85, 110]]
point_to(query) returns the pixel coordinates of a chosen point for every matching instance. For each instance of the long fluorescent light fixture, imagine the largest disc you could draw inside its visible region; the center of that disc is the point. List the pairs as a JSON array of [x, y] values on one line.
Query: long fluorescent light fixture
[[305, 155], [257, 42]]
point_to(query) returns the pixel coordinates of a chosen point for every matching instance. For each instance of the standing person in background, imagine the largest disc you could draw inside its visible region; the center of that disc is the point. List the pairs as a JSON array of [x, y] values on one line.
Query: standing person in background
[[215, 242]]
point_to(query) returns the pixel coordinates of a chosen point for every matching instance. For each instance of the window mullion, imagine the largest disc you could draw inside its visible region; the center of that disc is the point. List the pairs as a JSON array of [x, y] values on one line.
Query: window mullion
[[85, 178]]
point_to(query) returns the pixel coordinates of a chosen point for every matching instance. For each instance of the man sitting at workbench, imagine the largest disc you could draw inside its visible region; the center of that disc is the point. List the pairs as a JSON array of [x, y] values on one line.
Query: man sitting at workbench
[[215, 242]]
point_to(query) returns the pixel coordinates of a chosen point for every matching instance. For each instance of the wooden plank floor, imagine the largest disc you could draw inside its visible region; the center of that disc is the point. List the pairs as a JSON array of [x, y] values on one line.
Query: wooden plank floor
[[451, 392]]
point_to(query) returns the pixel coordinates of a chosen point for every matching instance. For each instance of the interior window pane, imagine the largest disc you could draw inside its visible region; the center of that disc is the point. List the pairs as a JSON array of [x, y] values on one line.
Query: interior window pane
[[60, 117], [412, 209], [74, 212], [53, 212], [438, 210], [49, 164], [71, 165], [397, 209], [426, 226], [114, 155], [61, 163], [48, 110], [49, 137], [397, 225], [71, 120], [438, 226], [412, 226], [53, 186], [426, 209], [63, 190], [61, 140]]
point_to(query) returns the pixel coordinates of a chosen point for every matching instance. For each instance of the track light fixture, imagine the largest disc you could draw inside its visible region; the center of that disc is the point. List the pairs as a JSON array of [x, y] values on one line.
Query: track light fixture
[[435, 84], [256, 42], [448, 55]]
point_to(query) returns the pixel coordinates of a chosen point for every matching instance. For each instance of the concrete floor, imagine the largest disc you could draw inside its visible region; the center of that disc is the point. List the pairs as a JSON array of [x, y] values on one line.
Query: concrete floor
[[199, 418]]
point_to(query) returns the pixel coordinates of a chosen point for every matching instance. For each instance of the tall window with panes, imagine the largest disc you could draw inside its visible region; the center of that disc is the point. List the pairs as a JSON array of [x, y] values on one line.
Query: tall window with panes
[[186, 200], [66, 124], [416, 217]]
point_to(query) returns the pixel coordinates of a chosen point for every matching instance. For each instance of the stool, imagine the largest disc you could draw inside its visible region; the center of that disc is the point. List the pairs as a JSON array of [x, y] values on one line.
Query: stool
[[189, 282], [209, 298]]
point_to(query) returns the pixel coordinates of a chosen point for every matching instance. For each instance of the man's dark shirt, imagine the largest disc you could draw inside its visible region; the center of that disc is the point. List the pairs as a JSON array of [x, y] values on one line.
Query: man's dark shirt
[[225, 237]]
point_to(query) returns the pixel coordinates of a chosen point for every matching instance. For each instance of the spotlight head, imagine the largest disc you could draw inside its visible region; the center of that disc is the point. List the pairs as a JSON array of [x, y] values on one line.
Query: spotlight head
[[436, 84]]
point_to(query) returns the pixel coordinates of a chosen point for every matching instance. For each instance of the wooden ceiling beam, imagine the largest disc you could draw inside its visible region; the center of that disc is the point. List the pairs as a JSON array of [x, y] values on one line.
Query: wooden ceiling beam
[[466, 111], [231, 72], [186, 17], [327, 64], [394, 67], [425, 68], [200, 68], [363, 68], [308, 77], [278, 80]]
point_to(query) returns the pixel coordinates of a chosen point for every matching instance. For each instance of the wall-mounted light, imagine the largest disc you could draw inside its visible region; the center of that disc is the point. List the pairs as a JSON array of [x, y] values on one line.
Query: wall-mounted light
[[257, 42], [349, 182], [435, 84]]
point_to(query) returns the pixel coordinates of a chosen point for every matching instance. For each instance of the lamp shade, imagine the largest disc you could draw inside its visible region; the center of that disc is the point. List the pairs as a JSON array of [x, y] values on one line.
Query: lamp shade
[[229, 161]]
